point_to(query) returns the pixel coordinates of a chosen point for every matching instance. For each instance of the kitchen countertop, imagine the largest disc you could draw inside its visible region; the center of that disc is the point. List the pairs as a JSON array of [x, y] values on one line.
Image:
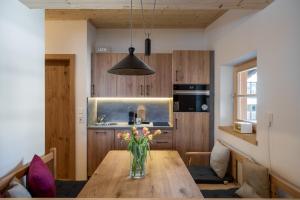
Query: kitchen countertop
[[124, 125]]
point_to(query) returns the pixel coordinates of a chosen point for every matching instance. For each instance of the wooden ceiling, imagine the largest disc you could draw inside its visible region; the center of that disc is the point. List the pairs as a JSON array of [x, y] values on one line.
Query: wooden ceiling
[[168, 14], [120, 18]]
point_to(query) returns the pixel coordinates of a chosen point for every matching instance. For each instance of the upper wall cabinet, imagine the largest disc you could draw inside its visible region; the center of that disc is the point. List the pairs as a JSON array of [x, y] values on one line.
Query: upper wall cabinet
[[130, 86], [160, 83], [191, 67], [103, 83]]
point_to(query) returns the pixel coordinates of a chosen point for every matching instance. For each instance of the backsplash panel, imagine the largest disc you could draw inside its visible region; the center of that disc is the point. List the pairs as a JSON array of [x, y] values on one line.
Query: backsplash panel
[[117, 109]]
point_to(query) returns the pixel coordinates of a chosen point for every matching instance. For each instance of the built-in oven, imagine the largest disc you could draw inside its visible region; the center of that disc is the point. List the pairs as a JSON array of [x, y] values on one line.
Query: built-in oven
[[191, 98]]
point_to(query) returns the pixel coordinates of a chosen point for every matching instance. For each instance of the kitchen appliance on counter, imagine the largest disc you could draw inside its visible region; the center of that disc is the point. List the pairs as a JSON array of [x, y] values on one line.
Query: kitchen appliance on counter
[[131, 117], [191, 98]]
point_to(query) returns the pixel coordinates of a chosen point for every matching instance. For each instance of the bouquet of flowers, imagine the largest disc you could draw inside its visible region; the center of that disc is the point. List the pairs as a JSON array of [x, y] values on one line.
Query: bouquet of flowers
[[138, 145]]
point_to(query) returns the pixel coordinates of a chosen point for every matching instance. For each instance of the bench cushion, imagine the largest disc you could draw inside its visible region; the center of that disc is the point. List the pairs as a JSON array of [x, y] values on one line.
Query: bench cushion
[[204, 174], [68, 189], [229, 193], [16, 190]]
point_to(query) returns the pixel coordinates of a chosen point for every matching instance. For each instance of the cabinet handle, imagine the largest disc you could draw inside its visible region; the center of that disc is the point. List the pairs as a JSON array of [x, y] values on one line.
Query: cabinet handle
[[165, 132], [103, 132], [176, 126], [93, 90], [161, 142], [176, 75], [141, 90], [148, 90]]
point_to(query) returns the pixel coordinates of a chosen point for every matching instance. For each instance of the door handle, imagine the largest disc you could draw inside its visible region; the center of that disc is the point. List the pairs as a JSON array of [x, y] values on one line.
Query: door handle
[[99, 132], [176, 126]]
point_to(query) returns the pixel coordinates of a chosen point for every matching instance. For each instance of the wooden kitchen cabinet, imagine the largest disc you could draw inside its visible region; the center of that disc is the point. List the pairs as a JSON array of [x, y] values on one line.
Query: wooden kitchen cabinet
[[160, 83], [104, 84], [191, 132], [99, 143], [191, 67], [160, 142], [120, 144], [164, 141], [131, 86]]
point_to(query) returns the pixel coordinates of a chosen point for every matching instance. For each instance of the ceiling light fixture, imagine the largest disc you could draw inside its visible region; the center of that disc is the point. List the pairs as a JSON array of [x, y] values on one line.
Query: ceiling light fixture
[[148, 34], [131, 65]]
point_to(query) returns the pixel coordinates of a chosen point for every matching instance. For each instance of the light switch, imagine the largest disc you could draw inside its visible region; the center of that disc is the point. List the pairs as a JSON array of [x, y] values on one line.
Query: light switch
[[80, 110]]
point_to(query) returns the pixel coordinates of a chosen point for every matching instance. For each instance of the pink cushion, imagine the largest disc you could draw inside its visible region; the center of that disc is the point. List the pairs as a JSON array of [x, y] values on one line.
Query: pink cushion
[[40, 181]]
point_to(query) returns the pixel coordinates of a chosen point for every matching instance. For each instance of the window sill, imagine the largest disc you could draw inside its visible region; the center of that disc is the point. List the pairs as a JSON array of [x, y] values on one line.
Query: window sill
[[251, 138]]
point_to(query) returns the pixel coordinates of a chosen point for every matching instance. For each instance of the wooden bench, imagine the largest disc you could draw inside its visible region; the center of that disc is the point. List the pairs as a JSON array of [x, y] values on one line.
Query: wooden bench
[[49, 159], [278, 185]]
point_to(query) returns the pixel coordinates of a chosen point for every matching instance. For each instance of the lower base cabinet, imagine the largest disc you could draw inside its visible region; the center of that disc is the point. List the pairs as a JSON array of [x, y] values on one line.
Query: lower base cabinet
[[164, 141], [120, 144], [191, 132], [99, 143]]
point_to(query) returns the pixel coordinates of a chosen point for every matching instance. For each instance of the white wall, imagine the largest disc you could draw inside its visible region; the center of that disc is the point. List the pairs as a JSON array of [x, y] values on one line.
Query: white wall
[[22, 123], [273, 34], [163, 40], [75, 37]]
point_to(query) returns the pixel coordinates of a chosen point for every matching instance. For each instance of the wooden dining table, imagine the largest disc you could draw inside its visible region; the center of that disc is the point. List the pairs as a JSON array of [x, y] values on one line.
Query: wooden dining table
[[166, 177]]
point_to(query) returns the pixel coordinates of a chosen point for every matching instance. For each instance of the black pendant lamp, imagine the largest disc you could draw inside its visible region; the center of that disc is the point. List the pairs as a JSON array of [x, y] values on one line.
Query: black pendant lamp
[[131, 65]]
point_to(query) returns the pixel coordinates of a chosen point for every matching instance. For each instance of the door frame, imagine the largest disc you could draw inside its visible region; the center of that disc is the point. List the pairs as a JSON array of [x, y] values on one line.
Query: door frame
[[70, 58]]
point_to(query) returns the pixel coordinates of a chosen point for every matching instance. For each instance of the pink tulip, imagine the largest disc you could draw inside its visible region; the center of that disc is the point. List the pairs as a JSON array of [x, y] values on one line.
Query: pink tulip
[[119, 136], [150, 137], [157, 132], [127, 136], [145, 131], [136, 132]]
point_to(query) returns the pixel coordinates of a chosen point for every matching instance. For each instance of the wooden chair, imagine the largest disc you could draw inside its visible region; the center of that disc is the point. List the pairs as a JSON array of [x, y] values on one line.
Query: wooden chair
[[49, 159], [64, 188]]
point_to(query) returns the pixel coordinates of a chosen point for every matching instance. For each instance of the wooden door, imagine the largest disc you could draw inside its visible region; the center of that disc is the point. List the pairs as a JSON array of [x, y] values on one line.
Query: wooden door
[[60, 112], [191, 67], [104, 84], [160, 83], [130, 86], [191, 132], [99, 143]]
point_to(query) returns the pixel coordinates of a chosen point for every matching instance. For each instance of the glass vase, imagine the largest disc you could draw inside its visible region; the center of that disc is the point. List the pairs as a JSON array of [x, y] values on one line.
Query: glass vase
[[137, 168]]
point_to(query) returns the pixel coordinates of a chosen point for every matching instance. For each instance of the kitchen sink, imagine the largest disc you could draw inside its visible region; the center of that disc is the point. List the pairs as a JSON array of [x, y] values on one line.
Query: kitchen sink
[[107, 124]]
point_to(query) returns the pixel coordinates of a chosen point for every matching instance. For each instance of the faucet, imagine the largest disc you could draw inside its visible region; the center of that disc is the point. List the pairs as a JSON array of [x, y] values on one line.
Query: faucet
[[101, 118]]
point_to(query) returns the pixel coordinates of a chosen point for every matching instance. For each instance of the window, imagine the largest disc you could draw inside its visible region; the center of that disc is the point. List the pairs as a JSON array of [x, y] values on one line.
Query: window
[[245, 100]]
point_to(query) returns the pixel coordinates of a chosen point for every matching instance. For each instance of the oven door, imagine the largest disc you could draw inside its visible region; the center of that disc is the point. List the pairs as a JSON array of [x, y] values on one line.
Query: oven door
[[190, 103]]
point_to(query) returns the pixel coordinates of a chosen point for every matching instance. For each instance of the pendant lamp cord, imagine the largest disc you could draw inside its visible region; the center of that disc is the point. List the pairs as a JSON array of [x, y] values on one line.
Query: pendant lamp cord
[[147, 34], [131, 23]]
